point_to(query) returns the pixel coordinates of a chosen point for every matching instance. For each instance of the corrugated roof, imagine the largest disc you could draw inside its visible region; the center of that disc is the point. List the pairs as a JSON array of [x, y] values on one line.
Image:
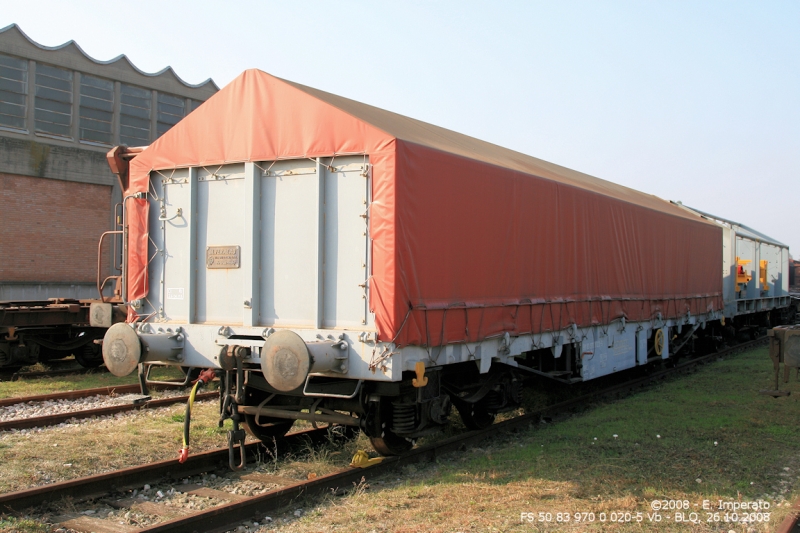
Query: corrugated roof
[[17, 42]]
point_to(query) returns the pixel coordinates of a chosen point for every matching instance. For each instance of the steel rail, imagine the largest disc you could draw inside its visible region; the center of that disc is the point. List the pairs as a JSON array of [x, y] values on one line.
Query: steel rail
[[72, 395], [790, 523], [136, 476], [84, 393], [222, 517], [52, 420]]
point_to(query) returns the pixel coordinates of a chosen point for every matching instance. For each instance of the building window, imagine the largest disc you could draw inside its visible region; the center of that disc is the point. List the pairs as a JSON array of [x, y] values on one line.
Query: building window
[[194, 104], [53, 105], [170, 112], [134, 120], [96, 110], [13, 89]]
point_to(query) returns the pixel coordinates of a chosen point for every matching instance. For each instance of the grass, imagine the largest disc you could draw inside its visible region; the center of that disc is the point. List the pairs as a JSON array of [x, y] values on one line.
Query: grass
[[60, 453], [560, 467], [47, 385], [548, 468], [15, 525]]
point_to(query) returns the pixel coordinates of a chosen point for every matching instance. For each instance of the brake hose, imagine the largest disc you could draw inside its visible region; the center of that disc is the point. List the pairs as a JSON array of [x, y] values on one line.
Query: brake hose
[[205, 377]]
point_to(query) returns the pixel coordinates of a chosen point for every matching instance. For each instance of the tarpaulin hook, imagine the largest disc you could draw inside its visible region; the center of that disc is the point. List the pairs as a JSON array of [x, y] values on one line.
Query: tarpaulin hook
[[163, 217]]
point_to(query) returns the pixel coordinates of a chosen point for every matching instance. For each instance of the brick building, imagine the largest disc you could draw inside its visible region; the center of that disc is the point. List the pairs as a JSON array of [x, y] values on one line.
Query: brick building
[[60, 112]]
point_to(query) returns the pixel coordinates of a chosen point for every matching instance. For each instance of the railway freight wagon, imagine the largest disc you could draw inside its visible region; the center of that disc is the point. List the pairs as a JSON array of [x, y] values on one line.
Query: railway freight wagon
[[755, 275], [344, 264]]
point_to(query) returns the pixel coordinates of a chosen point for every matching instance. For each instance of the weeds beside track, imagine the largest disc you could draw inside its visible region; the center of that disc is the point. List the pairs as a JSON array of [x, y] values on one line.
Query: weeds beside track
[[222, 516]]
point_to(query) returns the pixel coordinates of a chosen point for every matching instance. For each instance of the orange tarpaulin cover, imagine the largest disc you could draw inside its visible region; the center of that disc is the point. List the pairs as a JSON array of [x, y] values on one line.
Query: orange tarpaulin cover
[[469, 239]]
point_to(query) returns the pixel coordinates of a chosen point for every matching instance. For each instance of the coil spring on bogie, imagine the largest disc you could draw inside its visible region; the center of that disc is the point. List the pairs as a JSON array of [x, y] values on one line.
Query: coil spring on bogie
[[404, 417], [493, 401], [516, 391]]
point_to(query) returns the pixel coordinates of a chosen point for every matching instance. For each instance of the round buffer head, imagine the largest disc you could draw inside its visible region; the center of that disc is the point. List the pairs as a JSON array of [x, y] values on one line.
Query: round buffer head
[[122, 349], [285, 360]]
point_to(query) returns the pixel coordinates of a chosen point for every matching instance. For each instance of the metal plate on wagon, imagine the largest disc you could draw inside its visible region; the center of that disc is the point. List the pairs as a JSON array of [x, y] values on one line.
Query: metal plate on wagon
[[222, 256]]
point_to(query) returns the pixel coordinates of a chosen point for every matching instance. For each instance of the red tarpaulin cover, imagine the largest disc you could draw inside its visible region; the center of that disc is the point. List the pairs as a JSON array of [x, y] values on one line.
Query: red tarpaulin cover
[[469, 239]]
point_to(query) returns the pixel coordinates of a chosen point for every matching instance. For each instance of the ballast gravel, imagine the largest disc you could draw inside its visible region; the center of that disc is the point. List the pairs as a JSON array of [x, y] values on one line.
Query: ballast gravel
[[53, 407], [175, 499]]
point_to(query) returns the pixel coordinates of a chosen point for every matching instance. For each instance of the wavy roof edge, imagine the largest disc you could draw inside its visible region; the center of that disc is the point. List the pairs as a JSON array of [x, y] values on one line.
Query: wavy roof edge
[[160, 74]]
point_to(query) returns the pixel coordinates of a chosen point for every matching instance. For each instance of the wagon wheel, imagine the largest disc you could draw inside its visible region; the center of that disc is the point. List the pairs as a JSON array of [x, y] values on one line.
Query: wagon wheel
[[269, 427], [391, 444], [89, 355], [387, 442], [475, 417]]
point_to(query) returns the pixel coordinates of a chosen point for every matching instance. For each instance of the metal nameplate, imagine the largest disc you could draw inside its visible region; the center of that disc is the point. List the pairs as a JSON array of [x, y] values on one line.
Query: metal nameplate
[[222, 256]]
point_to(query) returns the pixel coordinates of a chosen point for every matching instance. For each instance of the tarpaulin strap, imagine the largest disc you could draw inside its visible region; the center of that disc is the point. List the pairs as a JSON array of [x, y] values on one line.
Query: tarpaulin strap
[[375, 361], [441, 342], [164, 175], [480, 323], [215, 172], [427, 333], [408, 313], [541, 318], [265, 170], [154, 253], [154, 194]]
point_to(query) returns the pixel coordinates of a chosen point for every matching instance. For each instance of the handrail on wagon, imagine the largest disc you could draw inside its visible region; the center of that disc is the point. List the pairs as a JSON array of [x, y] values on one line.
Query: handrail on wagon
[[101, 286]]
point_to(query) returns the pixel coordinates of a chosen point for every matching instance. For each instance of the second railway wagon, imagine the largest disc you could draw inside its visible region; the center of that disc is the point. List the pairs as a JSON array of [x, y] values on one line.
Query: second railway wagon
[[344, 264]]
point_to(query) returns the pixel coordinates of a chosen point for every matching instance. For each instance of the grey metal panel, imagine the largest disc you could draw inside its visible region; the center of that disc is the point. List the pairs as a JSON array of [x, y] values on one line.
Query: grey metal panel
[[641, 346], [221, 194], [746, 250], [251, 253], [345, 256], [773, 255], [192, 264], [729, 270], [154, 301], [302, 235], [612, 350], [290, 207], [784, 273], [176, 193]]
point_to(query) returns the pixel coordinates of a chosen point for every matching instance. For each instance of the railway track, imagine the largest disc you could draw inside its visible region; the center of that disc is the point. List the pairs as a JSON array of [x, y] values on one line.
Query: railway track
[[71, 395], [136, 403], [227, 510]]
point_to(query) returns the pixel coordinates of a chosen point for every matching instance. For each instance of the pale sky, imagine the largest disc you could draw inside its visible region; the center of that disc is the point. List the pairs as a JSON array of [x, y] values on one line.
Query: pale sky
[[696, 101]]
